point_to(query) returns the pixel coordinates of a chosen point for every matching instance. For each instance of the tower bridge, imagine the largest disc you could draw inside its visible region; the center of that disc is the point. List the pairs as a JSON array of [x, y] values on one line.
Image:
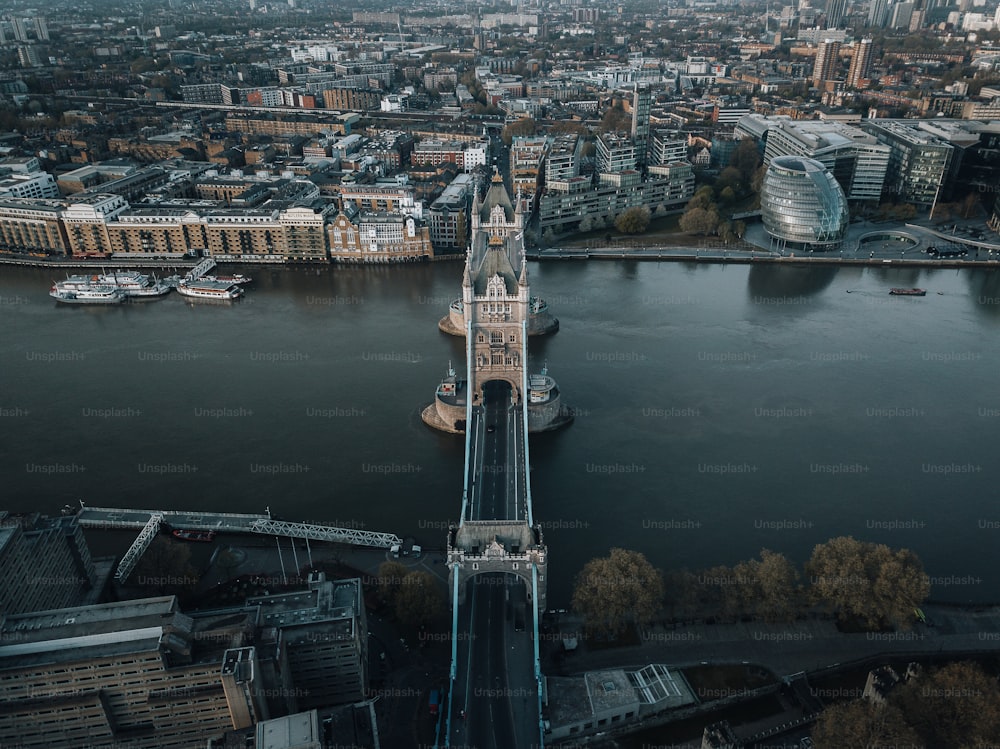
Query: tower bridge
[[496, 555]]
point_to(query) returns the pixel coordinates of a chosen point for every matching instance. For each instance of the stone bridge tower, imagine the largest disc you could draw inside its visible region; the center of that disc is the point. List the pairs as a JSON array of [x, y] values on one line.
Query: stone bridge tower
[[496, 304]]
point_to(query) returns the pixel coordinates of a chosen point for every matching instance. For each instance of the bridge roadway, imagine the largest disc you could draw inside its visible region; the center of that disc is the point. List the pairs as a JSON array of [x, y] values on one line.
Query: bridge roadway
[[494, 703], [498, 479]]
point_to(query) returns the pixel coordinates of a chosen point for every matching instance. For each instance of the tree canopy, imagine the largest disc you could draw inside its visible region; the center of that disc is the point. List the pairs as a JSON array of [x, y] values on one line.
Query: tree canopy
[[633, 220], [957, 705], [612, 592], [876, 584]]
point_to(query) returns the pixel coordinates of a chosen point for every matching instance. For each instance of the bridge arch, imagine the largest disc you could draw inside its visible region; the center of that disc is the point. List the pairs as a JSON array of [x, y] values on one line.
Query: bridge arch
[[479, 547]]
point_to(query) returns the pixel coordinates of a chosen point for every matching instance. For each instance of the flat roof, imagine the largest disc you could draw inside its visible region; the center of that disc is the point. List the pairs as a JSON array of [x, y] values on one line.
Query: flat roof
[[290, 732]]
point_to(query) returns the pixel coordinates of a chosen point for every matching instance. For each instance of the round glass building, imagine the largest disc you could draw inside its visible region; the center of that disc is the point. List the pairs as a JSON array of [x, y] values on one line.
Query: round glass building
[[802, 205]]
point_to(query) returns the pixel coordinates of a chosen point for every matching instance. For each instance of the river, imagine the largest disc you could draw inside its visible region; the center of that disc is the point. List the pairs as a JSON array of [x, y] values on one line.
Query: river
[[719, 408]]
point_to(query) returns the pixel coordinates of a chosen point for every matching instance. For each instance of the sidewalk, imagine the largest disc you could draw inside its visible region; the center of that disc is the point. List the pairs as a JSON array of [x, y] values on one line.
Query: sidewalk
[[787, 649]]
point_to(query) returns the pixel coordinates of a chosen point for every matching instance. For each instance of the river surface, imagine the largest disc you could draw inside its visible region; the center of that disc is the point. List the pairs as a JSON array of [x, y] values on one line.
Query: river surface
[[719, 409]]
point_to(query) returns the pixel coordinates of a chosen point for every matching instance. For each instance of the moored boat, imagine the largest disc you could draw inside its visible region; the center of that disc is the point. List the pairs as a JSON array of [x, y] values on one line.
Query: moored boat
[[237, 278], [908, 292], [135, 284], [186, 535], [87, 295], [210, 289]]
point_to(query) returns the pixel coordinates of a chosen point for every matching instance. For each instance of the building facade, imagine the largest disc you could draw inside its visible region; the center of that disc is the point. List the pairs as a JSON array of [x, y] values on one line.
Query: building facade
[[377, 237], [827, 62], [918, 161], [33, 226], [856, 158], [802, 205], [45, 563], [448, 215]]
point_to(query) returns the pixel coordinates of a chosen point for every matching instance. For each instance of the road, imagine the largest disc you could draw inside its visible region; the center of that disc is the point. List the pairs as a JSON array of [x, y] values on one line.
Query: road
[[495, 683], [497, 477], [495, 703]]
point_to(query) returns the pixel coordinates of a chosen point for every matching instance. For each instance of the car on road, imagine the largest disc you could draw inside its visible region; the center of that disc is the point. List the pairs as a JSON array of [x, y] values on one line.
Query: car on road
[[491, 428]]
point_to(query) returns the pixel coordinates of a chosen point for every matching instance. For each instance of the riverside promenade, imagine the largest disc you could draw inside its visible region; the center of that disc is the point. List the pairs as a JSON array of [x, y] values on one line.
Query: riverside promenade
[[810, 646], [866, 243]]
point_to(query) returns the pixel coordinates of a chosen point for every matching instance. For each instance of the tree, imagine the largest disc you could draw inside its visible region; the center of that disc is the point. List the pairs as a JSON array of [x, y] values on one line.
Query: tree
[[942, 211], [860, 725], [523, 127], [746, 159], [390, 580], [955, 705], [420, 599], [616, 590], [633, 220], [757, 180], [970, 204], [725, 231], [731, 180], [872, 582], [615, 119], [586, 224], [727, 196], [778, 594], [700, 221], [704, 197]]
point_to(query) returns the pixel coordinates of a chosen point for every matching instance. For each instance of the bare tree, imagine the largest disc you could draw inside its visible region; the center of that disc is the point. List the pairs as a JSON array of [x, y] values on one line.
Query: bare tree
[[616, 590]]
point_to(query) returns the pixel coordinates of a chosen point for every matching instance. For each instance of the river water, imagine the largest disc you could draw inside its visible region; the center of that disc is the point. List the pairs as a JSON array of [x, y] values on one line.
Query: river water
[[719, 408]]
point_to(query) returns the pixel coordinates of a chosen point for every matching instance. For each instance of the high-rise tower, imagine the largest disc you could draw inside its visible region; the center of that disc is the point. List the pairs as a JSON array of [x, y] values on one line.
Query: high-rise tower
[[861, 63], [642, 104], [835, 10], [827, 60]]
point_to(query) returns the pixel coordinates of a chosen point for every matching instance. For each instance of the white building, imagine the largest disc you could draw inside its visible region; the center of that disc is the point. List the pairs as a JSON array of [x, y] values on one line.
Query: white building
[[28, 185]]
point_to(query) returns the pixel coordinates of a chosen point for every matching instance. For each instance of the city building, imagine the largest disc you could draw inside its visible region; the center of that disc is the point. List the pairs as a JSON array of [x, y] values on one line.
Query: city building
[[448, 215], [385, 195], [32, 225], [642, 101], [861, 64], [357, 236], [17, 184], [615, 153], [562, 160], [827, 62], [918, 161], [357, 99], [45, 563], [133, 673], [802, 205], [668, 146], [599, 701], [855, 157], [878, 13], [526, 155], [324, 633], [145, 674], [86, 222], [835, 10], [465, 155], [576, 204]]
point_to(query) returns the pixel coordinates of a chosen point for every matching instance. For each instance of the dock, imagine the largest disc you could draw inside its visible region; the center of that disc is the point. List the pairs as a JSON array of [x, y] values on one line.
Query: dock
[[149, 522], [200, 269]]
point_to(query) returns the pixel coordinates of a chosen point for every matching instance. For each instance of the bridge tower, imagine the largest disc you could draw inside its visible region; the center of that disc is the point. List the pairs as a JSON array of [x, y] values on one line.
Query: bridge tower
[[495, 291], [496, 309]]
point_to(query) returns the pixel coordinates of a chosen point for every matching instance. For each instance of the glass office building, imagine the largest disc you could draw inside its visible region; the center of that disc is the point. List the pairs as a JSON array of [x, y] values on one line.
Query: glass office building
[[802, 205]]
